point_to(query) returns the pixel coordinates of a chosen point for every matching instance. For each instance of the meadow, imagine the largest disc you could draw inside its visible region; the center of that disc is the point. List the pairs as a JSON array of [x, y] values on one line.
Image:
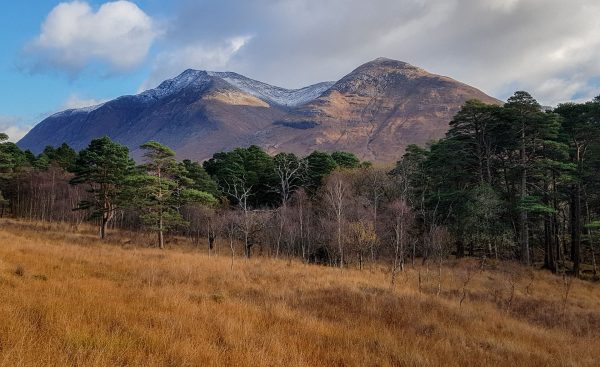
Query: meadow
[[68, 299]]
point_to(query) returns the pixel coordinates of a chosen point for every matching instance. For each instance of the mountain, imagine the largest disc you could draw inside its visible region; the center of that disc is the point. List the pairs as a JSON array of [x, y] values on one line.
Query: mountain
[[375, 112]]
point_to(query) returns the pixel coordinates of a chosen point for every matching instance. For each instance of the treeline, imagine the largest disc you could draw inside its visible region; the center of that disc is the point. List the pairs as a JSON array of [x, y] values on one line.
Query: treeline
[[514, 180], [103, 184], [507, 182]]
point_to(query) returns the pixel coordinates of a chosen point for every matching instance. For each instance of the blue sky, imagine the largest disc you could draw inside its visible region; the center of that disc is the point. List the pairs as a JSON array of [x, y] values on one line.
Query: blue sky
[[58, 55], [32, 94]]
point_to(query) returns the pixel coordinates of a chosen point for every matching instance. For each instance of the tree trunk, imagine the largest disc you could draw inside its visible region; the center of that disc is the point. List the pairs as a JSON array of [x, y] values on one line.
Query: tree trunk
[[301, 220], [161, 239], [590, 235], [549, 261], [399, 250], [211, 241], [576, 229], [548, 246], [524, 221], [555, 250], [280, 231], [460, 249], [103, 228], [339, 240], [107, 214], [231, 246]]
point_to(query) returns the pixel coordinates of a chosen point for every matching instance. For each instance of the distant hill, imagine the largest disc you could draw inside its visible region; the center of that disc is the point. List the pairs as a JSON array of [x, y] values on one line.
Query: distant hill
[[375, 112]]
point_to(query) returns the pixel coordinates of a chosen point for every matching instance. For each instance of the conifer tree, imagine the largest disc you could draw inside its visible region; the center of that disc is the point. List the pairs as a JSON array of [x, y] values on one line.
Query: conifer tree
[[103, 168], [161, 188]]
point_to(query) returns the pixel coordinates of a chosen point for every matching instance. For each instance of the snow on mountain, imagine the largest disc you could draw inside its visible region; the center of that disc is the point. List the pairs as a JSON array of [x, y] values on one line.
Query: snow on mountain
[[182, 81], [72, 111], [165, 89], [277, 95], [266, 92]]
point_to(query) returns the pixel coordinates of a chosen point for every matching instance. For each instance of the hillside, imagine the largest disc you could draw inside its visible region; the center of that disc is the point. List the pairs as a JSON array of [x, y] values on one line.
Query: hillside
[[70, 300], [375, 112]]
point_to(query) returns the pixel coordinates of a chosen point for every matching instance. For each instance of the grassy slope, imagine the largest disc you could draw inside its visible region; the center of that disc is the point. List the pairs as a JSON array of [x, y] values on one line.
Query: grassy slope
[[83, 303]]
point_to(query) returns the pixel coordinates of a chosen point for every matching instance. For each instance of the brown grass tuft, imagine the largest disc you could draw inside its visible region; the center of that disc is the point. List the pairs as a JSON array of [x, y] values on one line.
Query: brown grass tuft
[[20, 271]]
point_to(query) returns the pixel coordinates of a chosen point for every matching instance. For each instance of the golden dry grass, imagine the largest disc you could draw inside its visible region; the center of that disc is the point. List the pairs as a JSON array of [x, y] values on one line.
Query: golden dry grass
[[78, 302]]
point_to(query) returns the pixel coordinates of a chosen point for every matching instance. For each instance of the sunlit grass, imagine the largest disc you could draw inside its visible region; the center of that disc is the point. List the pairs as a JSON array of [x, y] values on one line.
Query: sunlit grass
[[78, 302]]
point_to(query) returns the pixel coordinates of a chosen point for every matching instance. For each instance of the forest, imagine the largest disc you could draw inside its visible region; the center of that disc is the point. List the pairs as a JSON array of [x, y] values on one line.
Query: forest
[[515, 182]]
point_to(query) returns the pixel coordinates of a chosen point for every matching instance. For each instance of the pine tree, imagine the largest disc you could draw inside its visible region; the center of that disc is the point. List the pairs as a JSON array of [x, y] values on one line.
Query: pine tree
[[475, 127], [319, 165], [345, 159], [247, 169], [200, 179], [531, 127], [581, 131], [103, 167], [161, 188], [64, 156]]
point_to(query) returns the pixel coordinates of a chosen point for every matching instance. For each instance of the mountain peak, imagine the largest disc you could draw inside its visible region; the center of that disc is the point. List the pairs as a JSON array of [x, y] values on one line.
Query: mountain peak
[[375, 112], [384, 63], [370, 78], [184, 79], [386, 60]]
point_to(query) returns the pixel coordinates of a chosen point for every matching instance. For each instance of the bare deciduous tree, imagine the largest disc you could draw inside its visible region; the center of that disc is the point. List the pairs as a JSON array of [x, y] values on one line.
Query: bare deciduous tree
[[399, 218], [336, 192]]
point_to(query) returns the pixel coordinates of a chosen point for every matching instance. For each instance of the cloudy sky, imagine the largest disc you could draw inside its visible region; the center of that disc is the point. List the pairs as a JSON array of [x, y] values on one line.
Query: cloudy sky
[[57, 55]]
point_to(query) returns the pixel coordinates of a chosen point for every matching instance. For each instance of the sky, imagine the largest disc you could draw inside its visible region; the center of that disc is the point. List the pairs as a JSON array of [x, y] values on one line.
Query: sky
[[56, 55]]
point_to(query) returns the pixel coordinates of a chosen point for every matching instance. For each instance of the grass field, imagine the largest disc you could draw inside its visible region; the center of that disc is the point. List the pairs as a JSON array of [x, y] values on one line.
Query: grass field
[[67, 299]]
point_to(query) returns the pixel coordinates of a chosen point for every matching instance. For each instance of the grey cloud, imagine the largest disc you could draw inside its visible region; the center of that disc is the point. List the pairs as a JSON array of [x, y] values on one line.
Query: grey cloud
[[549, 47]]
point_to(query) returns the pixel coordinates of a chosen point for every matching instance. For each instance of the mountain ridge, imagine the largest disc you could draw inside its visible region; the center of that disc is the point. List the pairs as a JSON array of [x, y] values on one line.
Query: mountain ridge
[[375, 111]]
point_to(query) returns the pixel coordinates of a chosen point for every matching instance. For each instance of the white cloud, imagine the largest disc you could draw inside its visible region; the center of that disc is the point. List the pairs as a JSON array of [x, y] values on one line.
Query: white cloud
[[198, 56], [13, 127], [73, 35], [76, 101]]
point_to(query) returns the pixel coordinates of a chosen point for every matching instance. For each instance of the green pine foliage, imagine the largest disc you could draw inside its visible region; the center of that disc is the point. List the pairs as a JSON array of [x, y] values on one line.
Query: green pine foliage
[[102, 168], [161, 187], [512, 171]]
